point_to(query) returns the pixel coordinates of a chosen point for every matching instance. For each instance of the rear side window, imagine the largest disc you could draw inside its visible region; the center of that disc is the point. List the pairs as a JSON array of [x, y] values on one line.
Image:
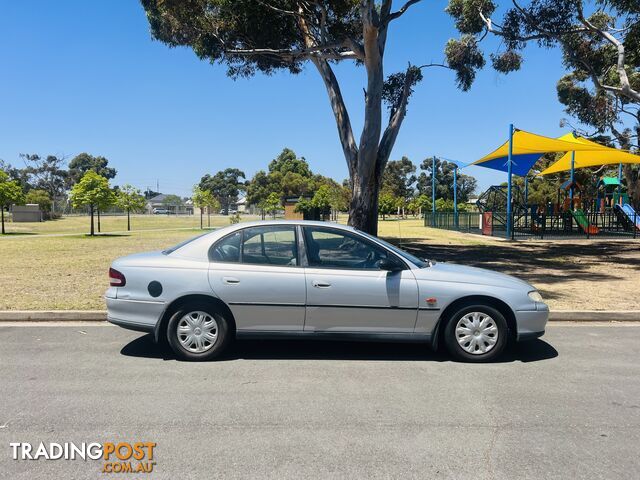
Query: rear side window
[[227, 250], [270, 246]]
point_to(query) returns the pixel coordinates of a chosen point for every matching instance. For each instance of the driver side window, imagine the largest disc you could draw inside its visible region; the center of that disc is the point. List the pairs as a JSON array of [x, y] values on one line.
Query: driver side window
[[330, 248]]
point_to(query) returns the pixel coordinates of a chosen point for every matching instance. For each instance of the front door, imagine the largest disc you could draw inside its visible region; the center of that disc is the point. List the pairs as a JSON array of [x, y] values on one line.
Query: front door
[[348, 292], [256, 272]]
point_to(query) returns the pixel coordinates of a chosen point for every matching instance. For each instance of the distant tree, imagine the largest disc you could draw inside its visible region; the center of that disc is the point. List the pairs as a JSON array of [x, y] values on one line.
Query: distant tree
[[225, 185], [387, 204], [92, 191], [130, 199], [199, 201], [46, 174], [322, 200], [10, 193], [20, 175], [172, 201], [444, 181], [259, 188], [41, 197], [271, 204], [399, 178], [148, 193], [303, 206], [287, 161], [82, 163], [424, 203], [204, 199], [269, 36]]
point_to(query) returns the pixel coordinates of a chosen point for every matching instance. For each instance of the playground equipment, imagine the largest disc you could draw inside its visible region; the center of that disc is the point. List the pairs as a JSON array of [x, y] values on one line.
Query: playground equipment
[[598, 208], [609, 194], [583, 222], [493, 205], [627, 216]]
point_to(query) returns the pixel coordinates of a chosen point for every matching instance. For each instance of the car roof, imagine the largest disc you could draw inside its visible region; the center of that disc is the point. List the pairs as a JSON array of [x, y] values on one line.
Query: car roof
[[292, 222], [200, 245]]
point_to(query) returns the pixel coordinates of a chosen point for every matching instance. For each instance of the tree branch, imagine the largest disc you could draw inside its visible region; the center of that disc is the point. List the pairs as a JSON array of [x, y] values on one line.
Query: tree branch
[[625, 86], [399, 13], [395, 122], [336, 100]]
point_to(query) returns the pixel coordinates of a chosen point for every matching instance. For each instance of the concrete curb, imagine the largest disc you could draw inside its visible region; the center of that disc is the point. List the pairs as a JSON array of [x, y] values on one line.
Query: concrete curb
[[595, 315], [101, 315], [53, 315]]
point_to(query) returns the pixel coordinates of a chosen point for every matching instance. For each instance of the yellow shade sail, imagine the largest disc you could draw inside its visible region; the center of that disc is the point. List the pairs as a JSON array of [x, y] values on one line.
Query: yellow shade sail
[[610, 156], [528, 148]]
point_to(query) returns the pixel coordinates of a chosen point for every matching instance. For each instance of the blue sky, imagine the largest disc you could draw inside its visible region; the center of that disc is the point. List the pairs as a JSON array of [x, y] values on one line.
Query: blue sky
[[86, 76]]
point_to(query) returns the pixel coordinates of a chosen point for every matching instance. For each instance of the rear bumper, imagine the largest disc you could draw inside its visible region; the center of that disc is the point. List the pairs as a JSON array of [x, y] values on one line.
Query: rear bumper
[[138, 315], [531, 323]]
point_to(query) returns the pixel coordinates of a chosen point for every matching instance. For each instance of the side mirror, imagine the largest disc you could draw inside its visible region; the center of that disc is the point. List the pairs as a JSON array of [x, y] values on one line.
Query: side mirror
[[390, 265]]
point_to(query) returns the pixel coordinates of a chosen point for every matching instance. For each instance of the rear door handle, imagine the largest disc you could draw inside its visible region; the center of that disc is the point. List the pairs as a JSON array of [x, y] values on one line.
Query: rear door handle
[[230, 280], [318, 284]]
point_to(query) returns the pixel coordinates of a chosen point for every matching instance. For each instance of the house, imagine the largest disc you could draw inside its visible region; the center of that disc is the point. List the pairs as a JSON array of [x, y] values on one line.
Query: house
[[165, 202]]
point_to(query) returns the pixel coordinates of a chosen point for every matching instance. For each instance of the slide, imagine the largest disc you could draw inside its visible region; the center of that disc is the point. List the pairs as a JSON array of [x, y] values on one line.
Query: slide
[[581, 219], [627, 215]]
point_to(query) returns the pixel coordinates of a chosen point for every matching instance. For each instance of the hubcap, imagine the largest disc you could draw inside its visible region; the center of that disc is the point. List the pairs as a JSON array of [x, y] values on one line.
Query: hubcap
[[197, 331], [476, 333]]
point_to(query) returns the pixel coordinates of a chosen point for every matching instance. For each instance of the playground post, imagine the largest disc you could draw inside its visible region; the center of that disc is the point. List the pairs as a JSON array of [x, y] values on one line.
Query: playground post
[[509, 180]]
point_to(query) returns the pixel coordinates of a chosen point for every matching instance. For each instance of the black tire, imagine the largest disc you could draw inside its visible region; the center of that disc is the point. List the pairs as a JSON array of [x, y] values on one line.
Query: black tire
[[218, 347], [459, 352]]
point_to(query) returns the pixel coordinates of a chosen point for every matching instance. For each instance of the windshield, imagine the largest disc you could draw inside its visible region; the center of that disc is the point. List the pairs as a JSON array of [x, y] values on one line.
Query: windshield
[[407, 256], [181, 244]]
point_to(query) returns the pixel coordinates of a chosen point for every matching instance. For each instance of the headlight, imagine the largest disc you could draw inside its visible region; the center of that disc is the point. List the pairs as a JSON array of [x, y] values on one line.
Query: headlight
[[535, 296]]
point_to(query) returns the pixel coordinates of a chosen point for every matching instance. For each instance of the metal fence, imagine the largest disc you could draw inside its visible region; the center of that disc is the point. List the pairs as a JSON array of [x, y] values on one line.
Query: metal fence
[[462, 221], [577, 224]]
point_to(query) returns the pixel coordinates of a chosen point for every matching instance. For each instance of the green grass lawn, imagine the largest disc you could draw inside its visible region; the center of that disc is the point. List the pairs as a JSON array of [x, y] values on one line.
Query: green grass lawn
[[42, 270], [69, 271], [81, 224]]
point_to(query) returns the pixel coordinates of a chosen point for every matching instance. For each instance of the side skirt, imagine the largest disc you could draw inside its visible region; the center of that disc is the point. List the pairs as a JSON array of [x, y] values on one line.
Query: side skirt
[[335, 336]]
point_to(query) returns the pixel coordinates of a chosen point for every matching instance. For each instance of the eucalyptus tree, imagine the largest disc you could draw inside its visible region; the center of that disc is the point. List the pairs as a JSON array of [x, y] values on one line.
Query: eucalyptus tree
[[600, 44], [266, 36]]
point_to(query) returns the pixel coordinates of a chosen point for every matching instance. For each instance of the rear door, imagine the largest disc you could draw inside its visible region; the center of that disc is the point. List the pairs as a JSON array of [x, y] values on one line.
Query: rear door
[[348, 292], [256, 271]]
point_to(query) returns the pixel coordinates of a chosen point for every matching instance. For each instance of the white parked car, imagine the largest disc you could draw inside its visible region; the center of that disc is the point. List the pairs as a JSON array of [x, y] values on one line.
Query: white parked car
[[316, 280]]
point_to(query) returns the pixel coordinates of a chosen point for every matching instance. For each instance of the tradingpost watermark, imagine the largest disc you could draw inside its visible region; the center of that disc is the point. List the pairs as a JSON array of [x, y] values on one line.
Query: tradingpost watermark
[[116, 457]]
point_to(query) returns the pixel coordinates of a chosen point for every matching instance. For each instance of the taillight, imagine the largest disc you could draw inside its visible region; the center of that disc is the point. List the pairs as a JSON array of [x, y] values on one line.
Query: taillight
[[116, 279]]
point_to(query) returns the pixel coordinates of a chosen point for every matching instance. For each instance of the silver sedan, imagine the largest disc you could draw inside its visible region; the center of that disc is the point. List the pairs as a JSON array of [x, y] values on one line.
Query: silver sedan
[[316, 280]]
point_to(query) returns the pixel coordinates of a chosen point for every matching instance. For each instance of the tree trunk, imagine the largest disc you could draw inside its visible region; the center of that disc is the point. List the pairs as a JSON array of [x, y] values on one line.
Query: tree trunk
[[2, 213], [633, 184], [201, 221], [91, 213], [99, 231], [209, 217], [128, 220]]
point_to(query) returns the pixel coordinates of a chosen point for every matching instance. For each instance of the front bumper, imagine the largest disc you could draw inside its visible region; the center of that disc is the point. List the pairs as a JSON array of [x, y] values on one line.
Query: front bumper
[[139, 315], [531, 323]]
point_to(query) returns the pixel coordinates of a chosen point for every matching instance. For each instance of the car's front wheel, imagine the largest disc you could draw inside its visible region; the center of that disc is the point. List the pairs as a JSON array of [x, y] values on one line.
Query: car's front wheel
[[198, 332], [476, 333]]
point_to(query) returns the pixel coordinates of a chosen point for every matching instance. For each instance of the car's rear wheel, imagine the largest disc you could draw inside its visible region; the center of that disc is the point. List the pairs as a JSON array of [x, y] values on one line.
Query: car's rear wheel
[[476, 333], [198, 332]]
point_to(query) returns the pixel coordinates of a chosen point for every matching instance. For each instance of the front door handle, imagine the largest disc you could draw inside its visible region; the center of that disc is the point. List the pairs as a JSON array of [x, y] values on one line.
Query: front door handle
[[318, 284], [231, 280]]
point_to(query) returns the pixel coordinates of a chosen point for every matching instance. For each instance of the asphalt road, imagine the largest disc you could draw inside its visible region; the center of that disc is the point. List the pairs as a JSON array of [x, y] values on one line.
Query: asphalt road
[[565, 407]]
